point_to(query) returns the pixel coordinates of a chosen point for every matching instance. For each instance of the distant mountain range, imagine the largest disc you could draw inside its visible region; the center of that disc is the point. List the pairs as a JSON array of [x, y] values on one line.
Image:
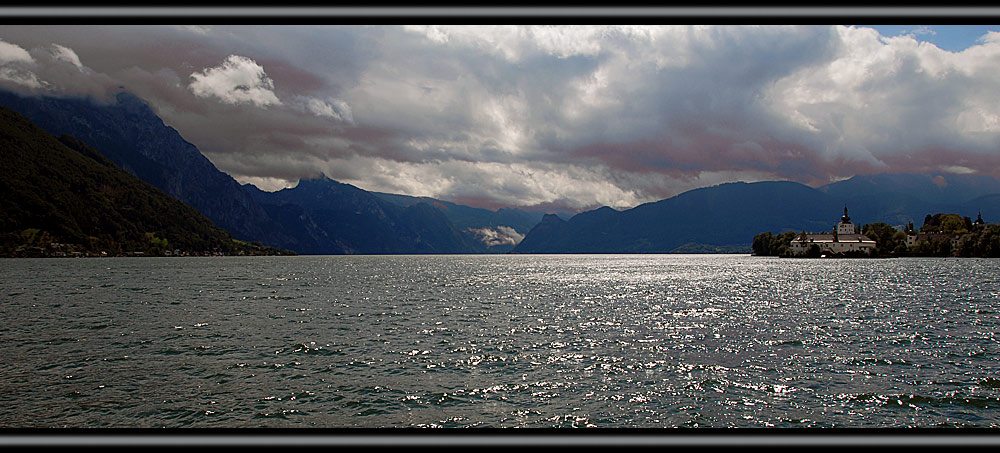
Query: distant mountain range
[[335, 218], [499, 231], [899, 198], [724, 215], [729, 215], [323, 216], [316, 217]]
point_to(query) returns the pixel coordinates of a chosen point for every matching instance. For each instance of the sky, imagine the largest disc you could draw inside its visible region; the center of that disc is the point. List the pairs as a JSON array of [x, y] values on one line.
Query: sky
[[574, 117]]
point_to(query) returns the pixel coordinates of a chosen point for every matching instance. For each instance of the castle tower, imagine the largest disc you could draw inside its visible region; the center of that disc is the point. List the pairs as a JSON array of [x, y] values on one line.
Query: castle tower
[[845, 226]]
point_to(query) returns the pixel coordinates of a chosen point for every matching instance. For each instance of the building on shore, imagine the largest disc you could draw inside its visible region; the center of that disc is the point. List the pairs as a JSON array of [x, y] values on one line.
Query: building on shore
[[844, 239], [913, 237]]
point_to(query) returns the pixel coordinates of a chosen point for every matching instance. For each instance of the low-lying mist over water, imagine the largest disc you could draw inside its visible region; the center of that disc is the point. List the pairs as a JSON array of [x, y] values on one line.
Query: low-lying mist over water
[[500, 341]]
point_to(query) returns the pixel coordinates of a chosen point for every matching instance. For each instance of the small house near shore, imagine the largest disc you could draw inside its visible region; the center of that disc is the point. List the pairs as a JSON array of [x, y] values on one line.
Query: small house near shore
[[844, 239]]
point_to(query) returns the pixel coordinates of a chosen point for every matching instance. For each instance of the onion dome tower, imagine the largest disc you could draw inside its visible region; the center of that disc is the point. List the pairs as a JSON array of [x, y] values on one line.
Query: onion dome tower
[[845, 226], [979, 221]]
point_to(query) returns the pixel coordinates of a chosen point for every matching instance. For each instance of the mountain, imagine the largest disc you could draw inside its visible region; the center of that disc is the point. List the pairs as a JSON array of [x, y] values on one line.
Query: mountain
[[470, 217], [499, 231], [129, 133], [323, 216], [544, 237], [725, 215], [317, 217], [336, 218], [900, 198], [728, 216], [64, 192]]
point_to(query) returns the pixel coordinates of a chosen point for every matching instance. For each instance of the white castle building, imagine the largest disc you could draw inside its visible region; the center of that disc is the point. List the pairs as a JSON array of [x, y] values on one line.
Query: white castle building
[[845, 238]]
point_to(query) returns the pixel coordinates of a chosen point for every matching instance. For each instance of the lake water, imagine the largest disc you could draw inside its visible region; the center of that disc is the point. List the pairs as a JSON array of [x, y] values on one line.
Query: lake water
[[637, 341]]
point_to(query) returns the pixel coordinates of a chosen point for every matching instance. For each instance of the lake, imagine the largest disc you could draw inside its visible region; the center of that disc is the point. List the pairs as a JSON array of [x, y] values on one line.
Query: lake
[[537, 341]]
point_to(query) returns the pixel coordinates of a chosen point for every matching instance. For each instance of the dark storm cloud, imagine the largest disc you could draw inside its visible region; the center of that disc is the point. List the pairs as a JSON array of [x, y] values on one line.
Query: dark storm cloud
[[575, 116], [705, 114]]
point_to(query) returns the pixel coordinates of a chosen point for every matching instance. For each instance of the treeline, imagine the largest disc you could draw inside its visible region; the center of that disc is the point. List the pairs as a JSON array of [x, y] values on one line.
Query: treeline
[[941, 235], [770, 244]]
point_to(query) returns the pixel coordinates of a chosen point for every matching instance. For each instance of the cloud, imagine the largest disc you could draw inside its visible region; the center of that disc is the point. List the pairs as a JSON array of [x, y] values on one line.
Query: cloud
[[989, 37], [919, 31], [238, 80], [15, 66], [499, 235], [336, 109], [12, 53], [516, 43], [66, 54], [876, 100], [575, 116], [484, 183], [20, 77], [52, 70], [612, 115], [197, 29]]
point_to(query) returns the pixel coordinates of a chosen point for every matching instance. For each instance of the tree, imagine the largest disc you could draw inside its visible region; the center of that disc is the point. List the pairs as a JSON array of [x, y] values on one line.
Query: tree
[[988, 242], [769, 244], [966, 245], [946, 223], [886, 237], [921, 248], [762, 244], [941, 246]]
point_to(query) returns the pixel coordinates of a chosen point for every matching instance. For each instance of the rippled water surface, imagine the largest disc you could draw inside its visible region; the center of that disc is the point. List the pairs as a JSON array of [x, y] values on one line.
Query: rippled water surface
[[499, 341]]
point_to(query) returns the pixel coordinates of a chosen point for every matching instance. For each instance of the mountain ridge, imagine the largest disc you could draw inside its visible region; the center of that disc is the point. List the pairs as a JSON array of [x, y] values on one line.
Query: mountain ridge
[[363, 223], [728, 215], [324, 216], [128, 131], [60, 196]]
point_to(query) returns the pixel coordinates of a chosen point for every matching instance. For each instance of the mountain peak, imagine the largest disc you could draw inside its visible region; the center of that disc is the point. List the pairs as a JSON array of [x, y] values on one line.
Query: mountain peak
[[320, 182], [133, 104]]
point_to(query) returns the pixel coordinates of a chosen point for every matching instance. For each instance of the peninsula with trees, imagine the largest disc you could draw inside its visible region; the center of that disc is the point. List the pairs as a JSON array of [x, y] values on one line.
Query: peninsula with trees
[[941, 235]]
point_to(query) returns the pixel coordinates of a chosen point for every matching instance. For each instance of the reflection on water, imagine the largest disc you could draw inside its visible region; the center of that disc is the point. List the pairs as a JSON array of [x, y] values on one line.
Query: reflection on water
[[500, 341]]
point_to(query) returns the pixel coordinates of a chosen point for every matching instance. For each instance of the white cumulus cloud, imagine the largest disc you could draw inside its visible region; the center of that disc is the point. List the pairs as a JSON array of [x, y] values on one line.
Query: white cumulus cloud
[[10, 53], [989, 37], [238, 80], [66, 54], [15, 66]]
